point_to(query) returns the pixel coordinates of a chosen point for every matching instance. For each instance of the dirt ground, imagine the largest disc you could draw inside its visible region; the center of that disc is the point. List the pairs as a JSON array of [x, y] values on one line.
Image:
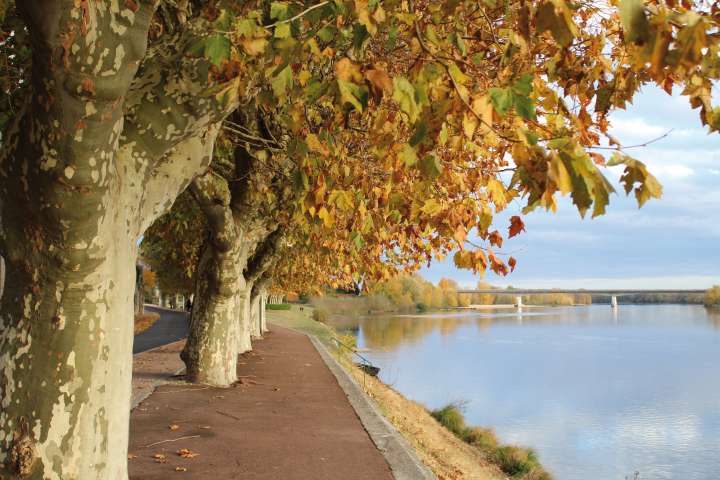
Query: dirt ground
[[286, 419]]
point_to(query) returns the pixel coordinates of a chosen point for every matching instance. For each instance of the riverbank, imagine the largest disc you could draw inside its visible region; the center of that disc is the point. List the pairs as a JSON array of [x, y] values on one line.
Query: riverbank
[[446, 454]]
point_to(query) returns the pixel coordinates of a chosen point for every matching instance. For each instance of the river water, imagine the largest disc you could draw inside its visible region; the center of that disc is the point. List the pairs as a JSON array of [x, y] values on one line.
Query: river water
[[598, 394]]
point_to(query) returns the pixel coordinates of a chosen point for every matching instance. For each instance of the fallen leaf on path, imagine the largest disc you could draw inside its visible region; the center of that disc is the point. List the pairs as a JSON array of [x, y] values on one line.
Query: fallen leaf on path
[[174, 427], [160, 458], [180, 469], [185, 453], [131, 456]]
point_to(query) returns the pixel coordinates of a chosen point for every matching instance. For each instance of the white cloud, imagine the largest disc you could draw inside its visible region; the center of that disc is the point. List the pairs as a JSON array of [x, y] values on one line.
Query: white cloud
[[671, 171], [635, 128]]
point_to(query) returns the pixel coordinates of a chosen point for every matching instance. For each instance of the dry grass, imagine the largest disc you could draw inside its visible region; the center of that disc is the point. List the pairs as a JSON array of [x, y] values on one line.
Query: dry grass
[[438, 448], [145, 321]]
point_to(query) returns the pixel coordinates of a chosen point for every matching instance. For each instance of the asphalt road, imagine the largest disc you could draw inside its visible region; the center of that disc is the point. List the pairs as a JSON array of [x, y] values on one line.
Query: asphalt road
[[171, 327]]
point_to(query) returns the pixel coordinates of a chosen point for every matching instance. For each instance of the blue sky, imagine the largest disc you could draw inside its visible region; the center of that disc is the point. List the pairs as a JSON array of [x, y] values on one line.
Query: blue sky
[[669, 243]]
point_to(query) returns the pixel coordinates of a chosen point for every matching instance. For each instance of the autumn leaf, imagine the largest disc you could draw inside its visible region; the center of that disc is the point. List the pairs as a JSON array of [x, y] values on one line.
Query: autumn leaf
[[495, 239], [380, 82], [185, 453], [516, 226]]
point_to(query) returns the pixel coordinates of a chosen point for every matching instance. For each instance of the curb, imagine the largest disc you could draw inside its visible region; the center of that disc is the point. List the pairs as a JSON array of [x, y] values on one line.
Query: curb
[[137, 399], [401, 457]]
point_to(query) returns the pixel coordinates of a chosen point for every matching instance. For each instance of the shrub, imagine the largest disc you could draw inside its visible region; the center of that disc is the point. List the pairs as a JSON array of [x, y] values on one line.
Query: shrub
[[516, 461], [451, 418], [320, 315], [483, 438], [278, 306]]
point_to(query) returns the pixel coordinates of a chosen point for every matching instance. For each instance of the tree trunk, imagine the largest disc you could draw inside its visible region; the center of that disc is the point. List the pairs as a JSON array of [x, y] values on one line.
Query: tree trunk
[[66, 356], [210, 354], [263, 312], [255, 327]]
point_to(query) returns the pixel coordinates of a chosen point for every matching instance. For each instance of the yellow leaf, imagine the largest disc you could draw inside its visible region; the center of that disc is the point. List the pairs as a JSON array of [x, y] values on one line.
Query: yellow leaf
[[496, 190], [431, 207], [347, 71], [314, 144], [559, 175], [470, 123], [326, 217]]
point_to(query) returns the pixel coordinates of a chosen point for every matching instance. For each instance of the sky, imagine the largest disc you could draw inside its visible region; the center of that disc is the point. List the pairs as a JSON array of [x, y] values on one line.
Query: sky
[[673, 242]]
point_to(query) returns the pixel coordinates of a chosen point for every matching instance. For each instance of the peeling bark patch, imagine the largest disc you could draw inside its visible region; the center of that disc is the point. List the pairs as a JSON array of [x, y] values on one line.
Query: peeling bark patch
[[22, 455]]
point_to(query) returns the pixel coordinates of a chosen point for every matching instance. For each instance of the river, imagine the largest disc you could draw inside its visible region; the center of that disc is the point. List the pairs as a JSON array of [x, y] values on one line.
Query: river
[[599, 394]]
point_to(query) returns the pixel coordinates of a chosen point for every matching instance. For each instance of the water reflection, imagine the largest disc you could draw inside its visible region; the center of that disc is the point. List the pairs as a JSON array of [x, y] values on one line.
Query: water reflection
[[599, 393]]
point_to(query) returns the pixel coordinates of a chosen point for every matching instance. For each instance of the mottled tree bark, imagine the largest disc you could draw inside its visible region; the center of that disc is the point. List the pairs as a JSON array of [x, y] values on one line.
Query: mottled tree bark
[[80, 180], [240, 227], [210, 353]]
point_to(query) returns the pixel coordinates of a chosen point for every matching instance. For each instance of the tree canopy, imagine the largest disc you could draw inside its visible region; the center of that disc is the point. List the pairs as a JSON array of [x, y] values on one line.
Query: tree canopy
[[403, 127]]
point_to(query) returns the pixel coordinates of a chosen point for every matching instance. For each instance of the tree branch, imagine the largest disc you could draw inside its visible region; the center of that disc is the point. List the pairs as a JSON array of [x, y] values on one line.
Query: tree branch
[[213, 196], [265, 255]]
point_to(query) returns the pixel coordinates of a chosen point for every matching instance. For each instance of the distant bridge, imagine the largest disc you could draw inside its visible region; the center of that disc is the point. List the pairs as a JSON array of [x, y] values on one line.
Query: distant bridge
[[613, 294]]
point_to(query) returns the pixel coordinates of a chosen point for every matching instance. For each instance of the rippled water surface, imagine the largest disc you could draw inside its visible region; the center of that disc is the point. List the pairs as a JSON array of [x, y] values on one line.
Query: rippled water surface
[[599, 395]]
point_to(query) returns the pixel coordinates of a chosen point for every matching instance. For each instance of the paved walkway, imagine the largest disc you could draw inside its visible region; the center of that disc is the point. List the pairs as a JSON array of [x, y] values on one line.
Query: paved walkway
[[155, 367], [287, 419]]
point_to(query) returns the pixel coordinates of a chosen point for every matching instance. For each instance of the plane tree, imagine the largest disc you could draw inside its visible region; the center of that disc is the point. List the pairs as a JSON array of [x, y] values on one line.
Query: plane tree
[[454, 109]]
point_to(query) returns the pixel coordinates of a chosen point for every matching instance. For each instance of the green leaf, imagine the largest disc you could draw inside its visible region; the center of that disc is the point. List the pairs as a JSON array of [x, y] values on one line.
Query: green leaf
[[217, 49], [430, 166], [457, 74], [420, 133], [223, 22], [282, 82], [357, 240], [501, 99], [326, 34], [278, 10], [282, 30], [404, 95], [353, 94], [635, 23], [525, 107], [524, 85]]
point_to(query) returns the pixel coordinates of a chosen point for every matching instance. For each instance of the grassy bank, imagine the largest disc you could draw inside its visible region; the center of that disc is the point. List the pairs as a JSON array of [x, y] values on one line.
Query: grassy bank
[[441, 439], [145, 320], [515, 461]]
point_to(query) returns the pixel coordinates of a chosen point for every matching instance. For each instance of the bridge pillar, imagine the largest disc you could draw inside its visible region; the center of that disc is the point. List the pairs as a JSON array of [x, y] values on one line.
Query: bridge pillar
[[518, 302], [613, 302]]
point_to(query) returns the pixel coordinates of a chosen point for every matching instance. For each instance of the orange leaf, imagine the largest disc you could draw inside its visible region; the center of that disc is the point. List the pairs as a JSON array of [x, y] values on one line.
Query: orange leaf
[[516, 226], [496, 239]]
